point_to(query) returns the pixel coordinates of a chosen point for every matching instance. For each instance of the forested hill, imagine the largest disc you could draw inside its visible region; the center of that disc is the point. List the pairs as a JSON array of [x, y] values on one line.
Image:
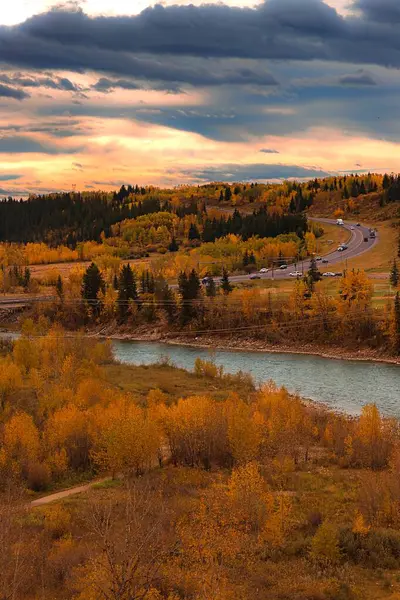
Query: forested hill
[[243, 209]]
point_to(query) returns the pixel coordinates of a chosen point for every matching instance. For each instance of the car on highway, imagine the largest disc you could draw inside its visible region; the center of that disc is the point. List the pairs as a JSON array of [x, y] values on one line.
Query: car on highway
[[366, 239], [206, 280], [296, 274], [341, 249], [338, 274], [352, 228], [318, 259], [358, 224], [283, 267], [325, 261], [255, 276], [328, 274], [264, 270]]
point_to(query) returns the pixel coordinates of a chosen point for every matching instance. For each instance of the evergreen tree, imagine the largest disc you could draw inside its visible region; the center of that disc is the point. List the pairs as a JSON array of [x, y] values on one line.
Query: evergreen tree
[[225, 284], [228, 194], [165, 296], [252, 259], [92, 285], [26, 278], [173, 247], [60, 288], [115, 282], [221, 196], [394, 274], [193, 232], [398, 247], [313, 272], [127, 291], [189, 291], [211, 290], [246, 259]]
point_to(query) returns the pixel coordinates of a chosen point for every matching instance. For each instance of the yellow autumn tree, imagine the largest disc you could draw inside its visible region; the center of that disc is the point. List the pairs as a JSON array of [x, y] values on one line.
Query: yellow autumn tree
[[21, 440]]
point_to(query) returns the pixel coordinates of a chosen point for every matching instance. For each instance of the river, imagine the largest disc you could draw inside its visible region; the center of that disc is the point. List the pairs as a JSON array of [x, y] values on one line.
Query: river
[[341, 384]]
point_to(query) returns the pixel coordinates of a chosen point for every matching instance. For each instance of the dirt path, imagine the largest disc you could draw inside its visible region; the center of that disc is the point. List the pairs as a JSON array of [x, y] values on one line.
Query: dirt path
[[66, 493]]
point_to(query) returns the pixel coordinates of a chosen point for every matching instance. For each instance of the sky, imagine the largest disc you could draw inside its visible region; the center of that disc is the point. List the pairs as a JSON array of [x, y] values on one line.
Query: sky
[[99, 93]]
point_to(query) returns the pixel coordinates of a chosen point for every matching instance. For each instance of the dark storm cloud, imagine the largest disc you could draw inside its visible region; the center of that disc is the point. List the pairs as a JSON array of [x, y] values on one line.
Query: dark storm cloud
[[24, 144], [9, 92], [234, 172], [360, 78], [31, 81], [276, 29]]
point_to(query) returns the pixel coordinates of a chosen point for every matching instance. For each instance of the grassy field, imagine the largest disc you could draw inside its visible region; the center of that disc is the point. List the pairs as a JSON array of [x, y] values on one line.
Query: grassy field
[[175, 383]]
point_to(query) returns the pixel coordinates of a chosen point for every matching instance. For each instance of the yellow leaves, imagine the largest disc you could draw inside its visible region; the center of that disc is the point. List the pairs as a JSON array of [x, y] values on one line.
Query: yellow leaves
[[359, 525], [126, 440], [356, 289], [311, 242], [249, 497], [21, 439], [57, 520], [156, 397], [10, 379], [244, 431], [279, 522]]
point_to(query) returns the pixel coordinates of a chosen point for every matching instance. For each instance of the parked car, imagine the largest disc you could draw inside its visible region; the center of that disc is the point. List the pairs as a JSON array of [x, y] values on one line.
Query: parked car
[[296, 274], [255, 276], [283, 267], [264, 270], [325, 261]]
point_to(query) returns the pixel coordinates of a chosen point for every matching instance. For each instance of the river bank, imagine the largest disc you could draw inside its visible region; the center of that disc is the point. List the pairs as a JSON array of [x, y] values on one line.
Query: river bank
[[251, 345]]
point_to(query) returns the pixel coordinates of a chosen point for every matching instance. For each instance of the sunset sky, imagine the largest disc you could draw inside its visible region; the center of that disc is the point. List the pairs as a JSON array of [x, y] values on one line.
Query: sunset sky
[[103, 92]]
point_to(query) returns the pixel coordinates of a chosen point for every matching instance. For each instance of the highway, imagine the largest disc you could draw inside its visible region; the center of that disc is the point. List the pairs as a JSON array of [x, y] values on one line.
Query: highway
[[356, 247]]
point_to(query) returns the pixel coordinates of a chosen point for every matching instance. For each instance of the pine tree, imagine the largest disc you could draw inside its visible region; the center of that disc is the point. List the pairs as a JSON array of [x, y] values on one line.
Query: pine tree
[[394, 275], [173, 247], [225, 284], [211, 290], [189, 290], [193, 232], [252, 259], [92, 285], [26, 278], [398, 247], [228, 194], [221, 196], [246, 259], [127, 291], [115, 282], [313, 273], [60, 288]]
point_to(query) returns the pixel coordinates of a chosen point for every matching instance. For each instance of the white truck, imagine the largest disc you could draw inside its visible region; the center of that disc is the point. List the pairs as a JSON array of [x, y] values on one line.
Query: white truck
[[340, 222]]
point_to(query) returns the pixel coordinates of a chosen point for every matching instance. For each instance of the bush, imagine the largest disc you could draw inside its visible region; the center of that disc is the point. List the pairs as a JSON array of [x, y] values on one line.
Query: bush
[[38, 477], [377, 548]]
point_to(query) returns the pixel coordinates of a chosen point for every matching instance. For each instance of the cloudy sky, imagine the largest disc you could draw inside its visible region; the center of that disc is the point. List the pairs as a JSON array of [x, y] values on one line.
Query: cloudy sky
[[97, 93]]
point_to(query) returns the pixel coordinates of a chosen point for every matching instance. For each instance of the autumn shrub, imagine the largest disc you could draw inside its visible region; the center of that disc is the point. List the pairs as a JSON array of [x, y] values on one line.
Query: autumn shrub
[[376, 548], [57, 520], [38, 476]]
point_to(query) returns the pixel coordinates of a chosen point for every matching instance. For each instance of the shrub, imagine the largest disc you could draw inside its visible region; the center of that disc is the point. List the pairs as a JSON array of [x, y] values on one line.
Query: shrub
[[57, 521], [377, 548], [38, 476]]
